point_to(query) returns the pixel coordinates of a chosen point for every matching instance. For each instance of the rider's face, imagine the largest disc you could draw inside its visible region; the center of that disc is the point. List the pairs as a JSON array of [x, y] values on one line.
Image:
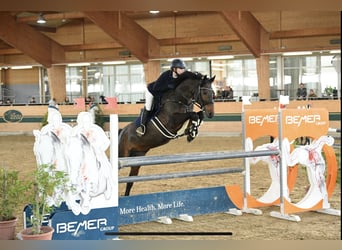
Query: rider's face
[[179, 70]]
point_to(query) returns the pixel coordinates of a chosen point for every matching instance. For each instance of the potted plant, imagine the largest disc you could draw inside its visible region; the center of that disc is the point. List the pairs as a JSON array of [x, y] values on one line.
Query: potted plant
[[46, 181], [328, 91], [12, 195]]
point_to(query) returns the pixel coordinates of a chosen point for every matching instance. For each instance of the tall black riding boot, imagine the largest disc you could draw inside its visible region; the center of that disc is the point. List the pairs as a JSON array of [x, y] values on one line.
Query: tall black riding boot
[[143, 119]]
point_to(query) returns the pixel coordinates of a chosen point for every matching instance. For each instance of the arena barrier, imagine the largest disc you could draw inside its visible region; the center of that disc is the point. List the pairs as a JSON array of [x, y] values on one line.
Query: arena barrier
[[285, 126]]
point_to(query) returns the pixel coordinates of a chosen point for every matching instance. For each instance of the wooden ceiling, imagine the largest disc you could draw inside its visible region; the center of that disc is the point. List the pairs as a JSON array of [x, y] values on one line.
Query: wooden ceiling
[[99, 36]]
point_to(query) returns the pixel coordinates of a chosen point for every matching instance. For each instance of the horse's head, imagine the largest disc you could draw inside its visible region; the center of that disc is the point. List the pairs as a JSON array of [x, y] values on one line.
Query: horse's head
[[205, 97], [197, 88]]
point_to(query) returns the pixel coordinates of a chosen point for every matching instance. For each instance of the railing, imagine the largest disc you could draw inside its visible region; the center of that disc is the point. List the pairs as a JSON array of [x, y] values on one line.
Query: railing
[[7, 95]]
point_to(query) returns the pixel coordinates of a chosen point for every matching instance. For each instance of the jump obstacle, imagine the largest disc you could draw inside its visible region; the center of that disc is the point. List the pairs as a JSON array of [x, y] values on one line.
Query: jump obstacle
[[285, 126], [183, 204]]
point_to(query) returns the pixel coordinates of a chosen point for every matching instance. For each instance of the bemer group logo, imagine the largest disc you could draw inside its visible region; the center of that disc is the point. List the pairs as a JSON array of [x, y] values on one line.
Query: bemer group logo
[[75, 227], [261, 119], [299, 120]]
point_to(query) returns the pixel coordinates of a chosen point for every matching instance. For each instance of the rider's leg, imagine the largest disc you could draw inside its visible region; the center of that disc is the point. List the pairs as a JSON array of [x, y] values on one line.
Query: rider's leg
[[144, 113], [148, 100]]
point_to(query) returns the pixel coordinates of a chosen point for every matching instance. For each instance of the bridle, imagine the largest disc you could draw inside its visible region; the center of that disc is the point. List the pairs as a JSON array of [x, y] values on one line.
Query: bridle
[[198, 101], [197, 98]]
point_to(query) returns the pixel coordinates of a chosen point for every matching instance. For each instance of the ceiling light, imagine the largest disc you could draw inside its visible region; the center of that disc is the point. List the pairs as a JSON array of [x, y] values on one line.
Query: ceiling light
[[183, 59], [78, 64], [41, 19], [335, 51], [114, 63], [154, 11], [21, 67], [219, 57], [299, 53]]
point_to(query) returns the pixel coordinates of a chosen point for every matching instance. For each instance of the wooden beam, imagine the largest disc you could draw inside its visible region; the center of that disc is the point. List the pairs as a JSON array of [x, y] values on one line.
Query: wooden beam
[[309, 32], [263, 73], [31, 42], [92, 46], [198, 40], [247, 27], [127, 32], [320, 48], [10, 51]]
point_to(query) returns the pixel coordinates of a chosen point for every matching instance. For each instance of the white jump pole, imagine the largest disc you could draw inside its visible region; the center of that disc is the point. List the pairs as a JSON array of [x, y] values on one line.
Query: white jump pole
[[114, 152]]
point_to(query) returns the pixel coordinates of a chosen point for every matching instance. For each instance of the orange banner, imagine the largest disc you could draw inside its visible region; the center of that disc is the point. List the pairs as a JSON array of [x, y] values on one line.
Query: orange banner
[[304, 122], [260, 123]]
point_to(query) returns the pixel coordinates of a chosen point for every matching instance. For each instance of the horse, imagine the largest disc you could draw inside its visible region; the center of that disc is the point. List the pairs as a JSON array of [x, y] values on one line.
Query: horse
[[176, 108], [49, 149], [90, 176]]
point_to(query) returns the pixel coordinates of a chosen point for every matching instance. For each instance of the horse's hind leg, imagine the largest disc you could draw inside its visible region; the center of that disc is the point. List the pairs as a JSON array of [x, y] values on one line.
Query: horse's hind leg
[[134, 172]]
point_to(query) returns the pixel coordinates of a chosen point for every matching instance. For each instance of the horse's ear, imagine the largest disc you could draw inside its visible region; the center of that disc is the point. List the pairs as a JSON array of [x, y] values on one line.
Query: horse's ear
[[213, 78]]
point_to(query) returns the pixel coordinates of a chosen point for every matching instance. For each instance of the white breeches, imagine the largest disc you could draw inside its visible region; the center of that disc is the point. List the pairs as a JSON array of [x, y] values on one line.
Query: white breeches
[[148, 100]]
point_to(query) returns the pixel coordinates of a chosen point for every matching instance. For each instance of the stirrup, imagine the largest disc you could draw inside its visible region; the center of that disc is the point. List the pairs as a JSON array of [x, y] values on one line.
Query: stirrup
[[140, 130]]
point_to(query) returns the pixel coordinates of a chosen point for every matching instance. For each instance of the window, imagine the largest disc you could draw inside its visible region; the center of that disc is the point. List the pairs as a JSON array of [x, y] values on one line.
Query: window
[[73, 82], [316, 72], [241, 75], [126, 82]]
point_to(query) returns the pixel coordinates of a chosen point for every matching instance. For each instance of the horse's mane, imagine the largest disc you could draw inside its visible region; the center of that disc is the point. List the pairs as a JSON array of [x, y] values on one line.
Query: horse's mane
[[188, 75]]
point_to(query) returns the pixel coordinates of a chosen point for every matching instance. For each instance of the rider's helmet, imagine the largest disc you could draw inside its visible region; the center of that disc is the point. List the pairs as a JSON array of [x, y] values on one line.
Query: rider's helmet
[[177, 63]]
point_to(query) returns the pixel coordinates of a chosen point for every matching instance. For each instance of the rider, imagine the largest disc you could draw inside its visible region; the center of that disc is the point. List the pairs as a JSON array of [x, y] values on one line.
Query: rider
[[164, 82]]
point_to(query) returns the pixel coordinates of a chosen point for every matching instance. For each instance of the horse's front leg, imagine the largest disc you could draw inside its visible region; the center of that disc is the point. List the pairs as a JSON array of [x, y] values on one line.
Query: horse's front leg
[[196, 119], [134, 172]]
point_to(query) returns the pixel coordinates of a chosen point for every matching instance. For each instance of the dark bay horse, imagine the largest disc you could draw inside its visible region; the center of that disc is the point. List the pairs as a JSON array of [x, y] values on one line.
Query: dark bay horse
[[176, 108]]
